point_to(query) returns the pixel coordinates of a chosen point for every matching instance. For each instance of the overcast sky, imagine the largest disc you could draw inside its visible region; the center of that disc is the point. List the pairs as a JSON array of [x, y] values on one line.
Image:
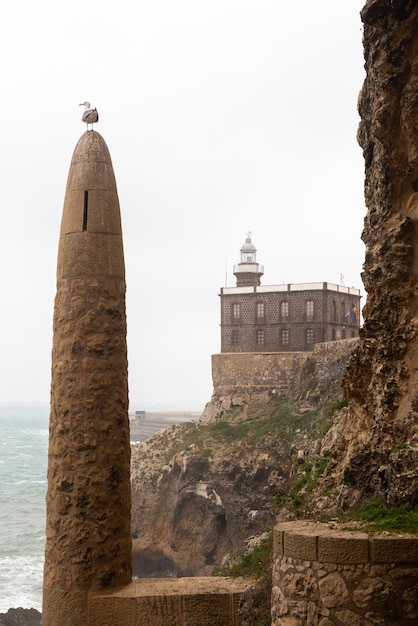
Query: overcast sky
[[220, 117]]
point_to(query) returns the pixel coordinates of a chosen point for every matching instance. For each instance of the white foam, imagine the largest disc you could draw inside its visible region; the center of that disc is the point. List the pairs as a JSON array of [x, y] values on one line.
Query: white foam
[[21, 582]]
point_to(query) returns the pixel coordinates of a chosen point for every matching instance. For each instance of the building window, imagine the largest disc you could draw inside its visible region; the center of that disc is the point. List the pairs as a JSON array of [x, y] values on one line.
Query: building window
[[236, 312], [259, 337], [334, 311], [309, 310], [284, 337], [235, 337], [309, 337], [259, 310], [343, 314], [284, 311]]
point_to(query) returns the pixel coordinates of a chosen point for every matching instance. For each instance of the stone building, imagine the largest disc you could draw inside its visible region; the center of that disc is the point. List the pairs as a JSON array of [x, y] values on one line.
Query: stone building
[[287, 317]]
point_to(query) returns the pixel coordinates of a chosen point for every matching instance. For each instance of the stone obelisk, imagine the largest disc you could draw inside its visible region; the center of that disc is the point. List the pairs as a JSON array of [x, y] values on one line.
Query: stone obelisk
[[88, 538]]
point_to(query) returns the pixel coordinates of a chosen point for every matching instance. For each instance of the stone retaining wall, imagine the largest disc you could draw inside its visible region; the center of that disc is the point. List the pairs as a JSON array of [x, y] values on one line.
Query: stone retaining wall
[[325, 577], [244, 377]]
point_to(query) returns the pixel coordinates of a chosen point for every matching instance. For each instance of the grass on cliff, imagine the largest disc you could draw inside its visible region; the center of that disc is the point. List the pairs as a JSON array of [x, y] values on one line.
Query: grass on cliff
[[306, 478], [278, 419], [255, 563], [374, 517]]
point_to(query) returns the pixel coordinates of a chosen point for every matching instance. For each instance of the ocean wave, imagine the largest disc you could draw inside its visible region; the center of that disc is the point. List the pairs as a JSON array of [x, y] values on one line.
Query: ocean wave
[[21, 582], [27, 481]]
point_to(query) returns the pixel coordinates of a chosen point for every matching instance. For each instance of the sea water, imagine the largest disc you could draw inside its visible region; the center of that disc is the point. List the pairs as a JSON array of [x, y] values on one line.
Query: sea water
[[23, 466]]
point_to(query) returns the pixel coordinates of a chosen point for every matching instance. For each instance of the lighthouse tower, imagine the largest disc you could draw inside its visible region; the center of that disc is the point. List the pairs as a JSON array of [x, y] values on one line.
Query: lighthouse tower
[[88, 537], [248, 272]]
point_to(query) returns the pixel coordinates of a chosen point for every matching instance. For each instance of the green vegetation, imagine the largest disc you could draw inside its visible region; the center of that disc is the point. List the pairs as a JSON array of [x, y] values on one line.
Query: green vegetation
[[306, 479], [254, 564], [258, 565], [377, 518], [278, 419], [337, 405]]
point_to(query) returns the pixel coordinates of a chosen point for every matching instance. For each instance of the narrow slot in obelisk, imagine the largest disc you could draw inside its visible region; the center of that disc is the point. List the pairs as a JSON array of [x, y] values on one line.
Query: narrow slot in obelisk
[[88, 532]]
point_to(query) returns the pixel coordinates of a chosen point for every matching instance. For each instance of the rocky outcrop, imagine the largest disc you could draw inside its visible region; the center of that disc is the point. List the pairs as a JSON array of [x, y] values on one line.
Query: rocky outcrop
[[20, 617], [378, 452], [193, 507]]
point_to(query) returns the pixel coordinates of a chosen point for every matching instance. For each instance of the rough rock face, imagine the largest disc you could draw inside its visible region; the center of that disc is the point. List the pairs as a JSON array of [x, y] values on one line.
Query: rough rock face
[[193, 510], [199, 491], [378, 453], [20, 617]]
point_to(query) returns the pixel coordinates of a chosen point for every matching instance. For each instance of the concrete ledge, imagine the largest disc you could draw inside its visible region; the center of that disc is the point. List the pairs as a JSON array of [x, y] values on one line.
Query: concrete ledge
[[200, 601], [308, 541], [394, 550], [338, 548]]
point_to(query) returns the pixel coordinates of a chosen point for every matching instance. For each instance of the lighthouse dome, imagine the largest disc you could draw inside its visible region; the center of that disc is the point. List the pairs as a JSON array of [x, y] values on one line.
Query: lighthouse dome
[[248, 251]]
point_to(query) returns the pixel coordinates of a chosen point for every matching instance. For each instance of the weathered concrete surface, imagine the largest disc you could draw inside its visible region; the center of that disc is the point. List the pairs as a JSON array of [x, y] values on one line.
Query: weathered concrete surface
[[88, 542], [170, 602]]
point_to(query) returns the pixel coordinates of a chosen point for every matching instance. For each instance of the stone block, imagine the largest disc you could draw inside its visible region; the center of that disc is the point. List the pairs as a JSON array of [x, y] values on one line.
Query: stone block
[[300, 545], [159, 610], [67, 607], [394, 550], [343, 548], [208, 610], [111, 610], [333, 591]]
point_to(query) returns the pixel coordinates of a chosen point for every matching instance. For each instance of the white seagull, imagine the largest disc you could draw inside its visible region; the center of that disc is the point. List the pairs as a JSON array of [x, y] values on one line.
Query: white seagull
[[90, 116]]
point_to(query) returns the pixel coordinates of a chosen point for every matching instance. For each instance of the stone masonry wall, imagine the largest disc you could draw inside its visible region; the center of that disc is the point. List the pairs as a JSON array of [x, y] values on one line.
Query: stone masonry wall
[[240, 378], [325, 577]]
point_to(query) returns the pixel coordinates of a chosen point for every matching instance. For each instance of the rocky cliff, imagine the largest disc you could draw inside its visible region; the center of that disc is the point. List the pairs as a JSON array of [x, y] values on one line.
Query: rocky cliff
[[202, 490], [378, 452]]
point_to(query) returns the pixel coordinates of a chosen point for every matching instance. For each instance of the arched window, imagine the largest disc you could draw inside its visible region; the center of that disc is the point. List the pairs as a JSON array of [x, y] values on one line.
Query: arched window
[[309, 310]]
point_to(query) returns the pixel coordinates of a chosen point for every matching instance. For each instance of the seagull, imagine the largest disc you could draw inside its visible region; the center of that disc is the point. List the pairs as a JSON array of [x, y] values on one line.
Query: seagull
[[90, 116]]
